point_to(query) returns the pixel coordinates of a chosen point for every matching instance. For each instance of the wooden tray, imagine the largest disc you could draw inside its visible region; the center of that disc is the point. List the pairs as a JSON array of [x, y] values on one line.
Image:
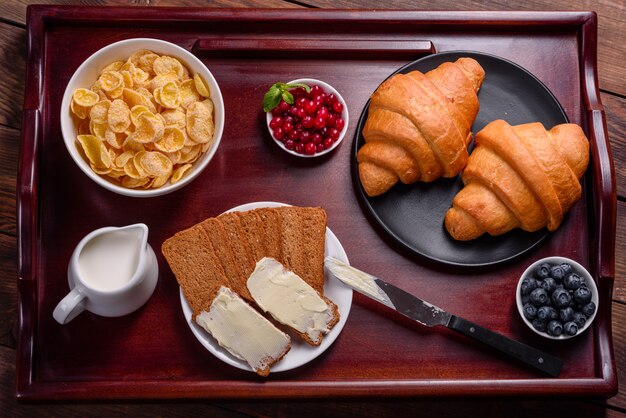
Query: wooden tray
[[152, 354]]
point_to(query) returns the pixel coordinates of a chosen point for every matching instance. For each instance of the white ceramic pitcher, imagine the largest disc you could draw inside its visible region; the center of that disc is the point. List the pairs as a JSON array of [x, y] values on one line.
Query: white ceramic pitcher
[[113, 272]]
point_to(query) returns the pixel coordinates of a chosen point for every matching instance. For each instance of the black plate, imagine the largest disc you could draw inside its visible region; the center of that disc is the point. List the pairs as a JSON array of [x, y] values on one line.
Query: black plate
[[412, 215]]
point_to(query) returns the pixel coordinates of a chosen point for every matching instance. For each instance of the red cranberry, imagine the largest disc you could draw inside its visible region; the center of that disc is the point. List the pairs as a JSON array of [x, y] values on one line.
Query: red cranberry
[[307, 121], [331, 99], [290, 144], [328, 142], [319, 147], [294, 135], [330, 120], [279, 133], [298, 92], [322, 113], [288, 127], [310, 107], [299, 148], [319, 122], [310, 148], [339, 124], [299, 127], [315, 91], [276, 111], [333, 133], [288, 119], [316, 138], [300, 112], [305, 136], [338, 107], [283, 106], [293, 110], [301, 101], [276, 122]]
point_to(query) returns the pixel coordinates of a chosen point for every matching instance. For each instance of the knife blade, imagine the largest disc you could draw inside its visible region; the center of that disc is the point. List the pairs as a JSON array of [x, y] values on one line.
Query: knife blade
[[430, 315]]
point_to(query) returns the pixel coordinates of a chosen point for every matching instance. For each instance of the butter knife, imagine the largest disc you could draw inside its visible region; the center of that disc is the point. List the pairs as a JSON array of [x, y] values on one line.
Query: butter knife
[[430, 315]]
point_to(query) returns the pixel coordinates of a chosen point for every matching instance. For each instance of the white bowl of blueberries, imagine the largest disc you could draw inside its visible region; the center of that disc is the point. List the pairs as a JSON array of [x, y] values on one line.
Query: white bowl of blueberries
[[557, 298]]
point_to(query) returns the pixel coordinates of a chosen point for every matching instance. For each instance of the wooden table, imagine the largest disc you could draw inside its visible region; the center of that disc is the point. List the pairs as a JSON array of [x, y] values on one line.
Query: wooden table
[[612, 31]]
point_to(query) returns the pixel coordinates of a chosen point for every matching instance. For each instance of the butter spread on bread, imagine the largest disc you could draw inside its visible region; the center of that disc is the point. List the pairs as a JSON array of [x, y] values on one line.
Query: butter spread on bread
[[291, 301], [243, 332]]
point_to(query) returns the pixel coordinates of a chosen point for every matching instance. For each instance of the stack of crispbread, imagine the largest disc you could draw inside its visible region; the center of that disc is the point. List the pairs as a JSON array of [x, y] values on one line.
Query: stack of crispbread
[[221, 253], [224, 250]]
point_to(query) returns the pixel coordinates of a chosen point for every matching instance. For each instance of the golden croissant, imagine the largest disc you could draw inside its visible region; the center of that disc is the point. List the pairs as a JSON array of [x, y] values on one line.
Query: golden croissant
[[519, 177], [418, 126]]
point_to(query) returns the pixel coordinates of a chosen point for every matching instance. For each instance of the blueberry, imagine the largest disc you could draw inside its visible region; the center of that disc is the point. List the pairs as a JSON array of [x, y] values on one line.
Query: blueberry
[[570, 328], [555, 328], [566, 314], [530, 311], [549, 284], [528, 285], [572, 281], [525, 299], [539, 297], [582, 295], [539, 325], [579, 319], [561, 298], [557, 273], [542, 271], [547, 313], [588, 309], [567, 268]]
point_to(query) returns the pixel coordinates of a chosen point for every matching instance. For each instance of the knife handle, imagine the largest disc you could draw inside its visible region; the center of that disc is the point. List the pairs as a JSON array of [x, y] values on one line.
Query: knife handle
[[537, 359]]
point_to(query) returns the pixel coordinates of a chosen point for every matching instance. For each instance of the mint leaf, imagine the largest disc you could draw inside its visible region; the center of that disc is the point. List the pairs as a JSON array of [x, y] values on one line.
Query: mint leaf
[[296, 85], [271, 98], [278, 91], [288, 97]]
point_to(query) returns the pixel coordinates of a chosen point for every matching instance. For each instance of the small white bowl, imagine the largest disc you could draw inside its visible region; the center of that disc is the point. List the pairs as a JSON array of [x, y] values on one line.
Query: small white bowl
[[576, 268], [344, 115], [88, 73]]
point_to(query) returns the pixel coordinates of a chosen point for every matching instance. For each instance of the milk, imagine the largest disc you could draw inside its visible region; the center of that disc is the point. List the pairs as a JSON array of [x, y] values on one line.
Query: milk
[[109, 261]]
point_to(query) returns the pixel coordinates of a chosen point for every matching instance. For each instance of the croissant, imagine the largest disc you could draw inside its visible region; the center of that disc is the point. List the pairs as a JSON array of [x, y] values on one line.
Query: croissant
[[418, 126], [519, 176]]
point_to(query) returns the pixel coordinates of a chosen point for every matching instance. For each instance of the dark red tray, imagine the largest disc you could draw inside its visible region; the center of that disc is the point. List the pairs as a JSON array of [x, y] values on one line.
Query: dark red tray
[[152, 354]]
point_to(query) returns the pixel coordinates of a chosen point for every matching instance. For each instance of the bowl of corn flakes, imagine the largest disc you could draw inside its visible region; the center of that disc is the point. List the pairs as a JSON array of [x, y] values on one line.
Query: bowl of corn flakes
[[142, 117]]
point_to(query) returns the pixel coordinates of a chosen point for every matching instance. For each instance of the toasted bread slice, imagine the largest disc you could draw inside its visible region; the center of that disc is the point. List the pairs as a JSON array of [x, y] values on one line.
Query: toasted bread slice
[[303, 236], [271, 227], [253, 231], [196, 267], [221, 242], [238, 243]]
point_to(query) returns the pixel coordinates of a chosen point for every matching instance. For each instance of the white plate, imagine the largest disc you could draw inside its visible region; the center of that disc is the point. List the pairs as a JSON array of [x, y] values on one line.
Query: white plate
[[301, 352]]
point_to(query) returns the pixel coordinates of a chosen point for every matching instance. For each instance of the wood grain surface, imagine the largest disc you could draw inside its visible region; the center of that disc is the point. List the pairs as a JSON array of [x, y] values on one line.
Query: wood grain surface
[[612, 49]]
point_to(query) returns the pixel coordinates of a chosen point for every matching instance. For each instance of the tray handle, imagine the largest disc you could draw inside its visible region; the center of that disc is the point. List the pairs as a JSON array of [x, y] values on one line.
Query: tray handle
[[311, 48], [27, 194]]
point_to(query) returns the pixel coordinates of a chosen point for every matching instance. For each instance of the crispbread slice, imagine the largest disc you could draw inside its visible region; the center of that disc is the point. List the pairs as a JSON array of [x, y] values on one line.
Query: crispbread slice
[[218, 236], [271, 231], [195, 266], [238, 244], [253, 231], [303, 234]]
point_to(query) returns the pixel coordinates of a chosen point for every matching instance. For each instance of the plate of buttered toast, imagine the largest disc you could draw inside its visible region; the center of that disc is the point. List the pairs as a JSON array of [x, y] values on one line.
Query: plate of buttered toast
[[253, 287], [467, 159]]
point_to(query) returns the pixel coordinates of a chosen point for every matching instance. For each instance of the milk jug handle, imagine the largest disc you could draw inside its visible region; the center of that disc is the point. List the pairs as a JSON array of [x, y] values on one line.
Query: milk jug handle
[[69, 307]]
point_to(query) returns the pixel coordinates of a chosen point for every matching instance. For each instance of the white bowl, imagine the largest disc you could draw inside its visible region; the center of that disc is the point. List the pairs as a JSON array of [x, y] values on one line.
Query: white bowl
[[344, 115], [88, 73], [576, 268]]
